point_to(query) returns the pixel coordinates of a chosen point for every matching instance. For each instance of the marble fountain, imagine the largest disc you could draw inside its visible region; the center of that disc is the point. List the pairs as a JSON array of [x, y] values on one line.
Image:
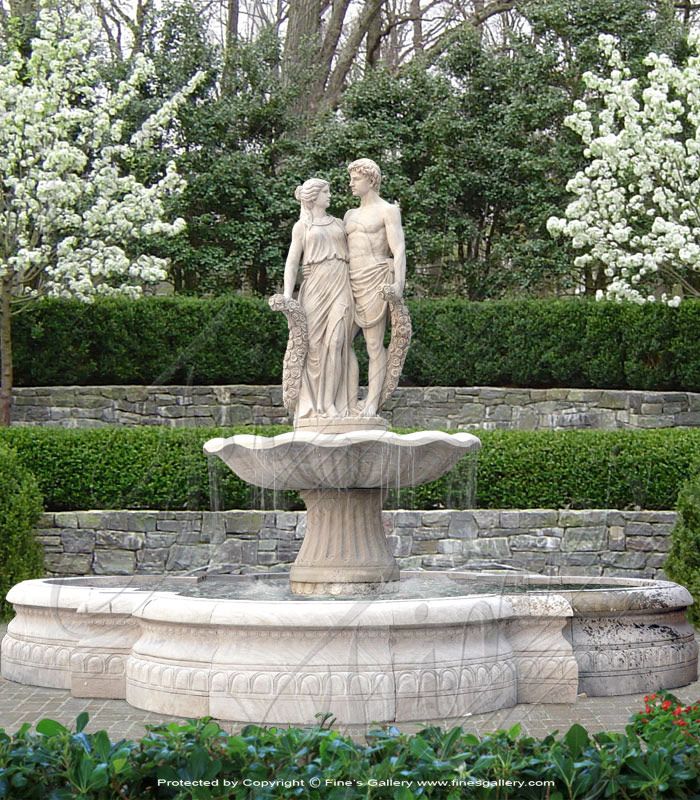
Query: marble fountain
[[344, 632]]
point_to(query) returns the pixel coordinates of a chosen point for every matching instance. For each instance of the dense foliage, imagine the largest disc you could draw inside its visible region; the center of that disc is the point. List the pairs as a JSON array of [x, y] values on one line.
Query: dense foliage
[[476, 159], [163, 468], [456, 343], [192, 760], [683, 563], [21, 555]]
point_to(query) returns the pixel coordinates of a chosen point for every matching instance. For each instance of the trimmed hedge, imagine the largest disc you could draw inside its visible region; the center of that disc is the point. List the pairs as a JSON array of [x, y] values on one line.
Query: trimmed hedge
[[21, 555], [657, 756], [162, 468], [531, 343], [683, 562]]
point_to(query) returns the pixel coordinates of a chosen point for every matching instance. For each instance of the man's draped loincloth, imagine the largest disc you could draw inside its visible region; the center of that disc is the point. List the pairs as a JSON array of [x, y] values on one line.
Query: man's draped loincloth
[[367, 276]]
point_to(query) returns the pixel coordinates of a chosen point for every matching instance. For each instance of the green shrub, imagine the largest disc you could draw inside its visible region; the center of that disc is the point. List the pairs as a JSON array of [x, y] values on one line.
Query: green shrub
[[683, 562], [21, 554], [533, 343], [164, 468], [191, 760]]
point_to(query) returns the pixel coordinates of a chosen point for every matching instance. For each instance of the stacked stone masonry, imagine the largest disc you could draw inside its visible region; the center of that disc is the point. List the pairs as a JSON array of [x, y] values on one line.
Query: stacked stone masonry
[[449, 407], [552, 542]]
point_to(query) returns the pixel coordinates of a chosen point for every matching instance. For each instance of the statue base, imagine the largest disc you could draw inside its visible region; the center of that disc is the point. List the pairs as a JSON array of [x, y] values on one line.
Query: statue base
[[321, 424]]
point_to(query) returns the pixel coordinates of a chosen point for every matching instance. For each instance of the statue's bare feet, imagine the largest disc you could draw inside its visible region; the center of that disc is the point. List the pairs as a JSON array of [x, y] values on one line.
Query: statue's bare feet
[[369, 410]]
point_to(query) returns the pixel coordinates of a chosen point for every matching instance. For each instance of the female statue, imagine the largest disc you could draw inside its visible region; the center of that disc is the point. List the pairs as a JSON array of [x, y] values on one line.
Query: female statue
[[320, 246]]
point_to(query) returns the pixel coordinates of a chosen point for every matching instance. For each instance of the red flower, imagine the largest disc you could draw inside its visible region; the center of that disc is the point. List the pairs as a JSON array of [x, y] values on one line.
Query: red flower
[[677, 711], [680, 722], [666, 705], [647, 709]]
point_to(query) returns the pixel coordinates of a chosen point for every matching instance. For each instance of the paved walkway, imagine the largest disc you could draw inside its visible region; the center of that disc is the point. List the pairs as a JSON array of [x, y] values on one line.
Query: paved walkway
[[20, 704]]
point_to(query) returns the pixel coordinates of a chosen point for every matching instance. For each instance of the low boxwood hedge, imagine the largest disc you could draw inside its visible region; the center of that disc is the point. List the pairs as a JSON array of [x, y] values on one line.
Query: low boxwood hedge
[[657, 756], [532, 343], [21, 554], [683, 562], [163, 468]]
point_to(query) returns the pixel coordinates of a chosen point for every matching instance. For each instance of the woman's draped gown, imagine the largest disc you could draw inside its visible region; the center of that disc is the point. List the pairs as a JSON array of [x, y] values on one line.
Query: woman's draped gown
[[326, 298]]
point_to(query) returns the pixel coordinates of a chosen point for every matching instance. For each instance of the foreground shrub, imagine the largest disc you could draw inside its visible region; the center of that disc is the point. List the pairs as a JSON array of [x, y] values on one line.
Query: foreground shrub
[[21, 554], [164, 468], [683, 562], [533, 343], [195, 759]]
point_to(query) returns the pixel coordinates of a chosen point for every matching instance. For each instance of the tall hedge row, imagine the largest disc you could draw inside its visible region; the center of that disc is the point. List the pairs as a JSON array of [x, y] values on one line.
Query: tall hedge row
[[542, 343], [163, 468]]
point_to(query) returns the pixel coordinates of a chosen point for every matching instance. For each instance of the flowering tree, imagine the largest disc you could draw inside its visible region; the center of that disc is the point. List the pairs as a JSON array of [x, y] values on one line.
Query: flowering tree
[[73, 219], [636, 212]]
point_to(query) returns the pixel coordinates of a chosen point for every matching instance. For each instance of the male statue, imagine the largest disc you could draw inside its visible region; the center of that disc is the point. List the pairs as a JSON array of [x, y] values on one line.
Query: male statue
[[377, 260]]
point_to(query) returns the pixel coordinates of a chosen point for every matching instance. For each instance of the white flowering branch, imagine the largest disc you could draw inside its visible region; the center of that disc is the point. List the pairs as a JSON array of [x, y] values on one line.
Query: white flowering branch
[[73, 220], [635, 212]]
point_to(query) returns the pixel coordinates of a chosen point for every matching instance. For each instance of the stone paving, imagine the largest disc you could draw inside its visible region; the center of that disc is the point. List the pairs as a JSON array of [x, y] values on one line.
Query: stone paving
[[20, 704]]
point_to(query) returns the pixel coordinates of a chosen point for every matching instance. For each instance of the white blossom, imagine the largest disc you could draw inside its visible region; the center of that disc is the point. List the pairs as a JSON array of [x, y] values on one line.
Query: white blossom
[[74, 218], [636, 207]]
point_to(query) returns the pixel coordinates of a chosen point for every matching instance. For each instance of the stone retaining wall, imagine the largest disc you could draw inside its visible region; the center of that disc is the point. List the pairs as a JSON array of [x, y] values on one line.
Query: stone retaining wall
[[592, 542], [420, 407]]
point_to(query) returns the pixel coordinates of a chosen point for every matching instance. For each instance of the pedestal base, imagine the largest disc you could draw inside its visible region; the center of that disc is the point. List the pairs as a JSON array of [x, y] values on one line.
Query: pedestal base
[[341, 424], [345, 550]]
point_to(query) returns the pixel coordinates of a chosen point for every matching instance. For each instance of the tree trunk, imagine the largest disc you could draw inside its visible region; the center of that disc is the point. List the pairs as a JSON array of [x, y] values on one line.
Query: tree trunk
[[6, 376], [303, 39], [417, 23], [374, 39], [232, 13]]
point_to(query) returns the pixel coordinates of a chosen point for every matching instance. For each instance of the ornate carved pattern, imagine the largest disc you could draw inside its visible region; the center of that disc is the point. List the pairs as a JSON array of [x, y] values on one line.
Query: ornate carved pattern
[[401, 331], [98, 663], [297, 348], [547, 667], [35, 654], [613, 660], [173, 677], [269, 684]]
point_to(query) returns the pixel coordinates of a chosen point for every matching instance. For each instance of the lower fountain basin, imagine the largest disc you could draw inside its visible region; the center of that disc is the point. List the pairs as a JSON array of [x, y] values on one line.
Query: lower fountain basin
[[490, 641]]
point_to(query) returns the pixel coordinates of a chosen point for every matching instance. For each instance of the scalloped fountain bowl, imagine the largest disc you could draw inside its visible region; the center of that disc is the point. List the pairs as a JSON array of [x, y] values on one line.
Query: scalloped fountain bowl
[[343, 478], [368, 459], [449, 644]]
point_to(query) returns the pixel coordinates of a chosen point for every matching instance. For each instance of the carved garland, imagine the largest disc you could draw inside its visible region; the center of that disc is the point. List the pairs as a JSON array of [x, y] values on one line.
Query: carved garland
[[401, 331], [297, 348]]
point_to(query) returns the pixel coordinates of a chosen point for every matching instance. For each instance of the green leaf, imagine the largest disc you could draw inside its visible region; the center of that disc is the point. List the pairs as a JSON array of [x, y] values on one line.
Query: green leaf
[[81, 721], [49, 727], [577, 739], [515, 731], [118, 765], [99, 778]]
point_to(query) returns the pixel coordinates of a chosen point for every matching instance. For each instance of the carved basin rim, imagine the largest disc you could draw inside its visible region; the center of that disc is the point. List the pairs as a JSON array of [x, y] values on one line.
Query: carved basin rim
[[149, 603], [466, 441]]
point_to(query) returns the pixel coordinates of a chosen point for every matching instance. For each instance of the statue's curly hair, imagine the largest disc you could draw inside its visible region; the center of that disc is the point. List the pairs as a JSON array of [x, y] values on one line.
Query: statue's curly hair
[[368, 168]]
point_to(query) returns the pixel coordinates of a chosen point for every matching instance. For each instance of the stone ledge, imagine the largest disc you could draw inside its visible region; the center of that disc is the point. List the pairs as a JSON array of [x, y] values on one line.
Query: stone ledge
[[551, 541], [453, 408]]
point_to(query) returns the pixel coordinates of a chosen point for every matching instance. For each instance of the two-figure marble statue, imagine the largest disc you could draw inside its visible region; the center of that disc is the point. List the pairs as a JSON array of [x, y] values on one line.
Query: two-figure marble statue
[[340, 457], [353, 280]]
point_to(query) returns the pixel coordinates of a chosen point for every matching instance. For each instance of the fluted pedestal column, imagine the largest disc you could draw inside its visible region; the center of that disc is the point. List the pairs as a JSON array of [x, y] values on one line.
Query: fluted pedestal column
[[345, 550]]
